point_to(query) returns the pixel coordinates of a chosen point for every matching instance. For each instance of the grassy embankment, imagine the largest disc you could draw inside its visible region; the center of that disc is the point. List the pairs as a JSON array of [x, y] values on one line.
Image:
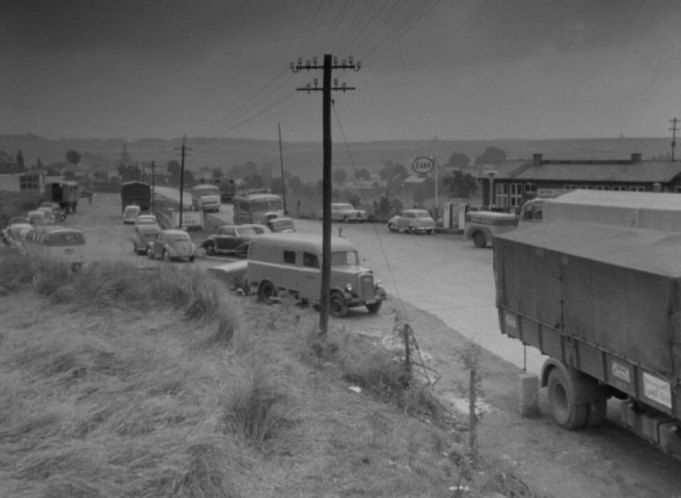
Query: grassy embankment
[[120, 383]]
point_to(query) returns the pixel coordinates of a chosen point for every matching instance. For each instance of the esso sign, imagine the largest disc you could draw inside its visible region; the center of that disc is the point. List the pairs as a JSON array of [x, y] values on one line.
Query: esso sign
[[422, 165]]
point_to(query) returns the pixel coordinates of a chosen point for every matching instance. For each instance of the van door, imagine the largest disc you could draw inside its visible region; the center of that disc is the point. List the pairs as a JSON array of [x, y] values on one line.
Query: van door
[[310, 276]]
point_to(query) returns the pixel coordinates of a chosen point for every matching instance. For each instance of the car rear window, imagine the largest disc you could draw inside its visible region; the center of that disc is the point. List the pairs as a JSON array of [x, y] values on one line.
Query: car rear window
[[66, 239]]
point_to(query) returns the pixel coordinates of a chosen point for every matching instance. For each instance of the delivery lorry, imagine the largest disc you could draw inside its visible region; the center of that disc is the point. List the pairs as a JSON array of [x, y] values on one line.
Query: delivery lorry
[[63, 193], [657, 211], [135, 193], [603, 302]]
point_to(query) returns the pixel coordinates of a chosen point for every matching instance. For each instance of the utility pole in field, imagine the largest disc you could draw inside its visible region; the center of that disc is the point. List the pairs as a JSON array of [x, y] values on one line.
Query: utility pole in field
[[673, 129], [183, 152], [153, 186], [281, 162], [330, 63]]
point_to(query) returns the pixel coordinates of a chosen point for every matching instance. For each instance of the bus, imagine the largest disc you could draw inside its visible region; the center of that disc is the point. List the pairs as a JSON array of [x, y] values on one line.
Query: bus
[[206, 197], [257, 207]]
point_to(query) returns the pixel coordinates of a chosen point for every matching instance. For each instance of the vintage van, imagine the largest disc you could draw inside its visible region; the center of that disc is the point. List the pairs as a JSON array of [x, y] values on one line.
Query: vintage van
[[482, 226], [57, 243], [291, 262]]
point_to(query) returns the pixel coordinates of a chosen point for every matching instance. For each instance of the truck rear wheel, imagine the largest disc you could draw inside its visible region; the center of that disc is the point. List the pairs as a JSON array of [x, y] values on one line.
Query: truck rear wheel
[[565, 412], [267, 292], [479, 239]]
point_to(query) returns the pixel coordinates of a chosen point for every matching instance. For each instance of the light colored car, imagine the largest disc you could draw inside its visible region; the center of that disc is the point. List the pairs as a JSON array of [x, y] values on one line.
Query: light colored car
[[281, 225], [346, 212], [172, 244], [56, 242], [146, 219], [290, 263], [413, 221], [37, 218], [143, 236], [57, 211], [130, 214], [482, 226], [14, 235]]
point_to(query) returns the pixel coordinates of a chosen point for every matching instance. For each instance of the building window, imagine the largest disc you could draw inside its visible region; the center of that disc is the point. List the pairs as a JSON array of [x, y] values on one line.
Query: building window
[[29, 182], [530, 188], [502, 195], [516, 194]]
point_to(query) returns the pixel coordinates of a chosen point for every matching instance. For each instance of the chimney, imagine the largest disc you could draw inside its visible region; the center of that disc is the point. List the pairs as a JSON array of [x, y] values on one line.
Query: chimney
[[636, 157], [537, 159]]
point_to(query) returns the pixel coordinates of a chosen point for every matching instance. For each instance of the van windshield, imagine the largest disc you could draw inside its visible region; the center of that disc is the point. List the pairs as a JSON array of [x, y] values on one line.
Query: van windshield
[[266, 205], [344, 258]]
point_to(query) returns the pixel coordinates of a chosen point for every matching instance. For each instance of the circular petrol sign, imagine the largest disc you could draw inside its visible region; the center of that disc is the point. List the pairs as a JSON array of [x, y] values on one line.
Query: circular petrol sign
[[422, 165]]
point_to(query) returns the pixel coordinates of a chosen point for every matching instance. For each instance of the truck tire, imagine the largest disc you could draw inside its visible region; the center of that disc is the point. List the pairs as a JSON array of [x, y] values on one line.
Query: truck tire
[[479, 239], [267, 292], [597, 412], [337, 305], [565, 412]]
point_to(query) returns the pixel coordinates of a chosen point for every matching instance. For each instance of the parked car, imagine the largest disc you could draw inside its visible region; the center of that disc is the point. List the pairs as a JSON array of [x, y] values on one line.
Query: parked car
[[57, 211], [130, 214], [56, 242], [143, 235], [49, 214], [483, 226], [172, 244], [346, 212], [37, 218], [232, 239], [281, 225], [413, 221], [147, 219], [290, 263], [14, 234]]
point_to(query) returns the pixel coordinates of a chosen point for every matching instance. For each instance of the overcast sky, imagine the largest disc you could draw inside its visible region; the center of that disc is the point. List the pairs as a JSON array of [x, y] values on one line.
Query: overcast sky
[[455, 69]]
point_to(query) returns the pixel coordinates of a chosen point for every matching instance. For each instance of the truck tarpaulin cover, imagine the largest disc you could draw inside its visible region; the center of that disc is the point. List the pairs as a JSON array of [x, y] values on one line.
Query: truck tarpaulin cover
[[614, 287]]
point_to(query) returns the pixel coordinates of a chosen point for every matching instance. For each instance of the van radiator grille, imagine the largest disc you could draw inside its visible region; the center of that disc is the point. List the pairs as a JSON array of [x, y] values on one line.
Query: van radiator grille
[[367, 286]]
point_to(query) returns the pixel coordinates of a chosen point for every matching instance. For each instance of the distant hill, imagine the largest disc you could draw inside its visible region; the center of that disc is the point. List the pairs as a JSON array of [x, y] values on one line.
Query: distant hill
[[305, 158]]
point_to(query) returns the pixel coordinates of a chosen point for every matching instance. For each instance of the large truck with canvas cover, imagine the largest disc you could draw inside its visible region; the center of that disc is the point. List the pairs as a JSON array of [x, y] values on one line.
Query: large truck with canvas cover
[[603, 302], [653, 210], [135, 193]]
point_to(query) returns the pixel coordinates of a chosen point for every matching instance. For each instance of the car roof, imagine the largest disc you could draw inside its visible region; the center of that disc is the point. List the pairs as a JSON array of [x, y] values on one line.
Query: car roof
[[174, 231], [416, 211], [52, 229], [303, 241]]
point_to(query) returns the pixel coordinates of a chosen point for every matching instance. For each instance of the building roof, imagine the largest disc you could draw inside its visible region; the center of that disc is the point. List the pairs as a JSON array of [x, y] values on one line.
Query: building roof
[[600, 171]]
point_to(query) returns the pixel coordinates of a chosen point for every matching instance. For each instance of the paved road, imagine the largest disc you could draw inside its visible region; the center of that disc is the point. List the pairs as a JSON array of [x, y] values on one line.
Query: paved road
[[443, 274]]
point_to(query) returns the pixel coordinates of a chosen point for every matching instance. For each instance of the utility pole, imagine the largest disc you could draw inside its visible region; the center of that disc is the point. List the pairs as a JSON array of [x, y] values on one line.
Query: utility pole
[[330, 63], [183, 152], [153, 186], [281, 162], [673, 129]]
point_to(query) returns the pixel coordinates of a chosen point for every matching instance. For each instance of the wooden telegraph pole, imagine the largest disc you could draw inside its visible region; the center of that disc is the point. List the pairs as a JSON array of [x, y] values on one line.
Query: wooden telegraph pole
[[330, 63], [183, 152]]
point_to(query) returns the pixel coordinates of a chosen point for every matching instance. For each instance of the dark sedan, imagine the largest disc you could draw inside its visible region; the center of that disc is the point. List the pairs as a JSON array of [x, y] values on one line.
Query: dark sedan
[[232, 240]]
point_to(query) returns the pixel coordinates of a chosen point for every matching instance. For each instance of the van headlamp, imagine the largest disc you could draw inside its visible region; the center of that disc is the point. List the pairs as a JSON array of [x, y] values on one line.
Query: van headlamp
[[348, 287]]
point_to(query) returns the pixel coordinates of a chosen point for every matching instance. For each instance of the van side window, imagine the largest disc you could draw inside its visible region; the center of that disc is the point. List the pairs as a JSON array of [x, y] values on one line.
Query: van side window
[[310, 260], [290, 257]]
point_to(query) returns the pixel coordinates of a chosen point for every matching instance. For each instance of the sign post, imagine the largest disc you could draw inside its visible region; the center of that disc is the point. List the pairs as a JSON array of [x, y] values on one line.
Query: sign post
[[423, 165]]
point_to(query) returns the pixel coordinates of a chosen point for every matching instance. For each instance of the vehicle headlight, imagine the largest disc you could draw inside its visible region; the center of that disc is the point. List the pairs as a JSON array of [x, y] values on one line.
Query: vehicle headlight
[[378, 284], [348, 287]]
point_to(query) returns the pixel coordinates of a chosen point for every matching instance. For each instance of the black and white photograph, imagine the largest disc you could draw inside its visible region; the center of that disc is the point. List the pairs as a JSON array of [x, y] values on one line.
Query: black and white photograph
[[340, 248]]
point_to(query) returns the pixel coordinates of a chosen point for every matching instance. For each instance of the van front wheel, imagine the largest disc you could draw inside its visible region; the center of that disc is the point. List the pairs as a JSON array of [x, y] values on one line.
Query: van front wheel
[[267, 292], [337, 304]]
